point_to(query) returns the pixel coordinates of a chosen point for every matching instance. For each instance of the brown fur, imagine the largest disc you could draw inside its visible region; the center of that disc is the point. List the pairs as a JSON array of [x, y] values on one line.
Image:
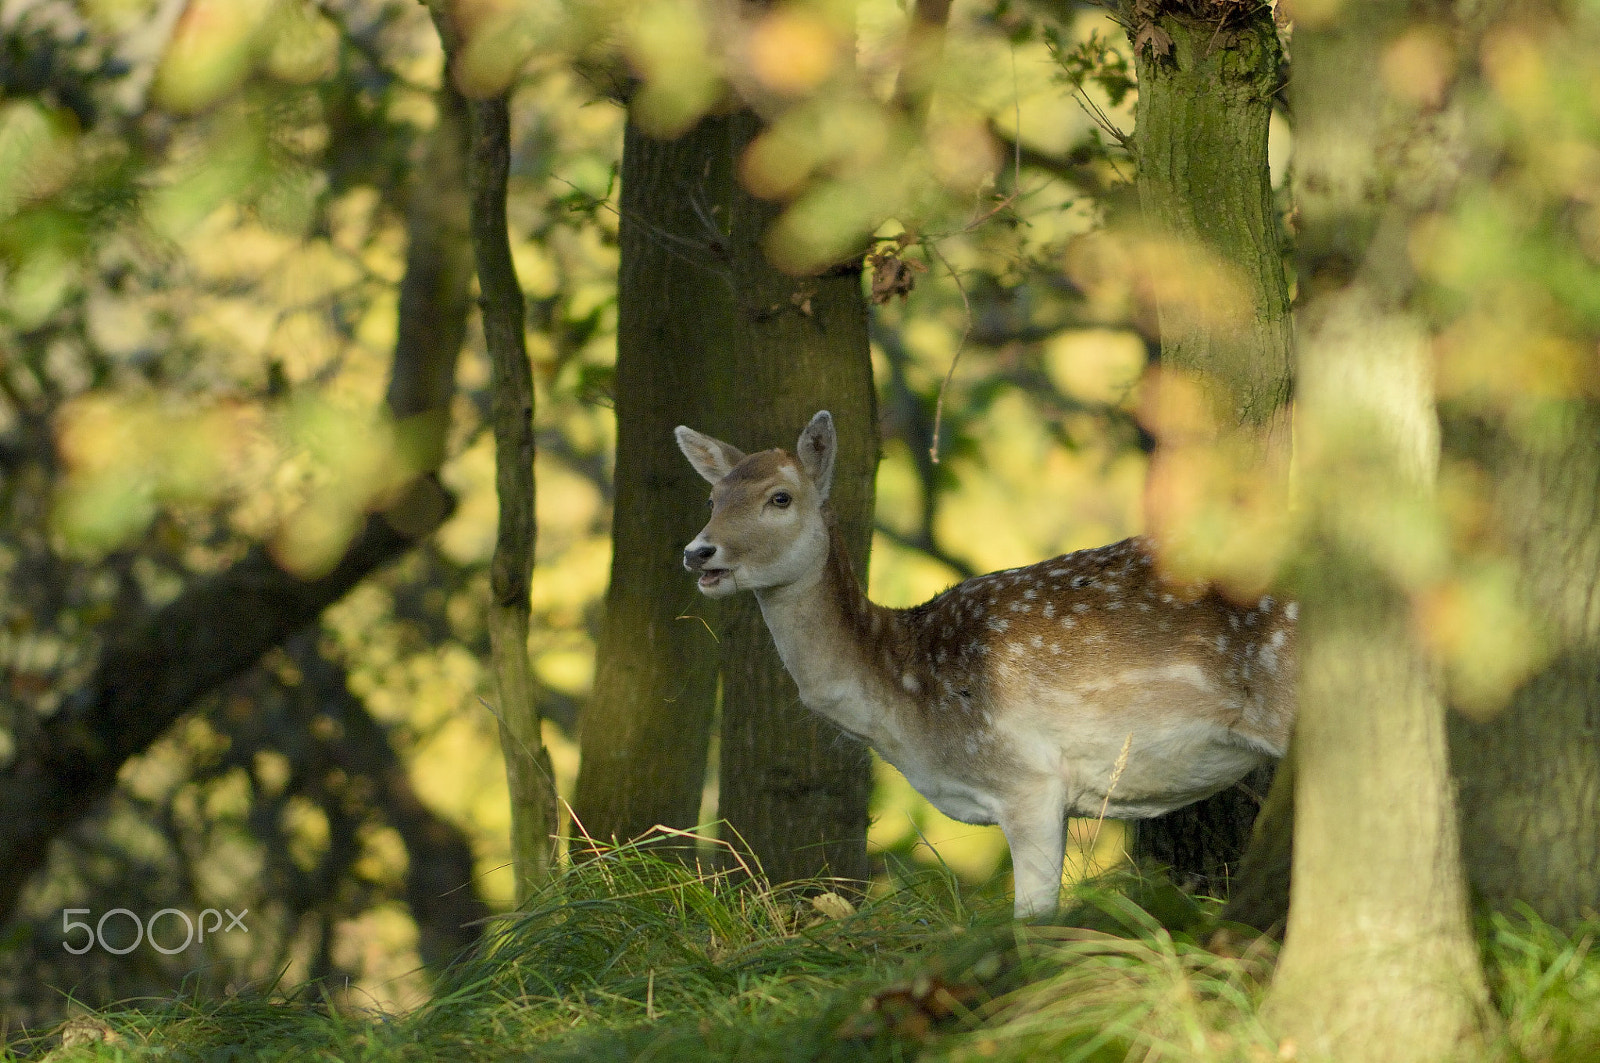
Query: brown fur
[[1011, 697]]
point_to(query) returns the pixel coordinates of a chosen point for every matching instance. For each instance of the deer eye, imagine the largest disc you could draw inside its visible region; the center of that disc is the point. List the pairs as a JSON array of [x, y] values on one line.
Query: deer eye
[[781, 500]]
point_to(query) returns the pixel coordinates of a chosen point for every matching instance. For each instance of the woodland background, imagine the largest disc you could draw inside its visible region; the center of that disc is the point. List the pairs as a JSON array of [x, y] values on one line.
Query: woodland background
[[248, 470], [206, 257]]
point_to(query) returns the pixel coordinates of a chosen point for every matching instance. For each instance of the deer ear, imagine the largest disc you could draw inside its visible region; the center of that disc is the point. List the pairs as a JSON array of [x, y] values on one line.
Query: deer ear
[[817, 448], [711, 458]]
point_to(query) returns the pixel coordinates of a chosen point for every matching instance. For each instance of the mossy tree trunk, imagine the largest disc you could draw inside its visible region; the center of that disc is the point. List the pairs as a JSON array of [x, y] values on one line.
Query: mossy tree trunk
[[793, 787], [712, 335], [534, 821], [1204, 105], [1379, 962], [647, 726], [534, 824]]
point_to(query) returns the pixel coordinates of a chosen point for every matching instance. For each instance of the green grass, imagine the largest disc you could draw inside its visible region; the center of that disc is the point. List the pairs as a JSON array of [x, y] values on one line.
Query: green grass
[[636, 956]]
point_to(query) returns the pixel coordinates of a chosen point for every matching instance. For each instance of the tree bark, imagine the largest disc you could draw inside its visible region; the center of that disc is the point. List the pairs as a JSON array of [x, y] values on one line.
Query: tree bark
[[1530, 775], [1258, 897], [531, 781], [1379, 961], [1201, 140], [150, 674], [646, 729], [1203, 111], [711, 335], [793, 787]]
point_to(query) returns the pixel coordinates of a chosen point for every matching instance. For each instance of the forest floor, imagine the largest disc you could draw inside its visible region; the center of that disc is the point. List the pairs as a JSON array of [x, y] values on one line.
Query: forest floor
[[637, 956]]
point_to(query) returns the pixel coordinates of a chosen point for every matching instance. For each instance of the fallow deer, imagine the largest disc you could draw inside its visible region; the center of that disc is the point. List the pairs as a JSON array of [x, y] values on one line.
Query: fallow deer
[[1011, 697]]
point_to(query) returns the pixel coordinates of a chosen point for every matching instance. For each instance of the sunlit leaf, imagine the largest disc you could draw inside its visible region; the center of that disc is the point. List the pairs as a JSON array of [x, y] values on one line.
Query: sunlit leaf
[[1488, 642], [102, 512], [793, 49], [36, 153], [211, 50], [669, 44]]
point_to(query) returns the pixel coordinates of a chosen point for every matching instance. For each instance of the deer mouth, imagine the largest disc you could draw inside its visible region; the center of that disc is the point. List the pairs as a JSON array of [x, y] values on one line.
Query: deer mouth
[[711, 577]]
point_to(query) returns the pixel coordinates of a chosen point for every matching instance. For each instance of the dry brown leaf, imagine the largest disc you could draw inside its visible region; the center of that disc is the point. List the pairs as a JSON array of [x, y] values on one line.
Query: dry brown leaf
[[1153, 37]]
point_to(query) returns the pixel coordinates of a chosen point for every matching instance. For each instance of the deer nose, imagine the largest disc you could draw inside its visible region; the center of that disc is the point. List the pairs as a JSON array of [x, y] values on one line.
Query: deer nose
[[695, 556]]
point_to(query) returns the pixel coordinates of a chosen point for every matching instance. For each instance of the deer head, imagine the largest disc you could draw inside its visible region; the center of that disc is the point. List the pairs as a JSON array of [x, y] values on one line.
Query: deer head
[[768, 526]]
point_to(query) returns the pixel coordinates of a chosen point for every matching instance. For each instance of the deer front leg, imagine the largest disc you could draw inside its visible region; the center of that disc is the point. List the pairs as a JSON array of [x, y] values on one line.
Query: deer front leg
[[1035, 828]]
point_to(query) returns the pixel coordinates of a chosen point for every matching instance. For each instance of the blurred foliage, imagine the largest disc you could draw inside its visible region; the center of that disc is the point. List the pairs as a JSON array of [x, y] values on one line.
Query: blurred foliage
[[201, 235]]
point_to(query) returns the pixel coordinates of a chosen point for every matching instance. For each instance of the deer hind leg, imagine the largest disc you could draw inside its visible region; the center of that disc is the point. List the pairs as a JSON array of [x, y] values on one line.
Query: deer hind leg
[[1035, 828]]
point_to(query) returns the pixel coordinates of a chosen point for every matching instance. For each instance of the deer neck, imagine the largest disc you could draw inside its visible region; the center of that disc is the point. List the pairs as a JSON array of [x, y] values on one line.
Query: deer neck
[[824, 628]]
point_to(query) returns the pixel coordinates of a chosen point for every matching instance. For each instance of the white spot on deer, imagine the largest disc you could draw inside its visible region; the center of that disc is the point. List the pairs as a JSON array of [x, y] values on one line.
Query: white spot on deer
[[1031, 593], [1265, 604], [1222, 644], [998, 625], [1080, 607], [910, 684], [1069, 622], [1115, 603], [1055, 647], [1292, 611], [1049, 610], [1144, 607], [1167, 599]]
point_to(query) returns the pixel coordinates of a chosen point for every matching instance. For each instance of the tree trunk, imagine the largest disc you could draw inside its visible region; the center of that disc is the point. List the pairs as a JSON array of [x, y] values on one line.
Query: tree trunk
[[793, 787], [1379, 962], [1530, 776], [1259, 894], [528, 774], [1201, 140], [646, 729]]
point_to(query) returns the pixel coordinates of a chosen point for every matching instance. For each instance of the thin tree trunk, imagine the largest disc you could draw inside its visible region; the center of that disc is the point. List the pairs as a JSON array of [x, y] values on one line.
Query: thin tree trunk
[[150, 674], [646, 729], [1379, 962], [793, 787], [1205, 101], [528, 773]]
